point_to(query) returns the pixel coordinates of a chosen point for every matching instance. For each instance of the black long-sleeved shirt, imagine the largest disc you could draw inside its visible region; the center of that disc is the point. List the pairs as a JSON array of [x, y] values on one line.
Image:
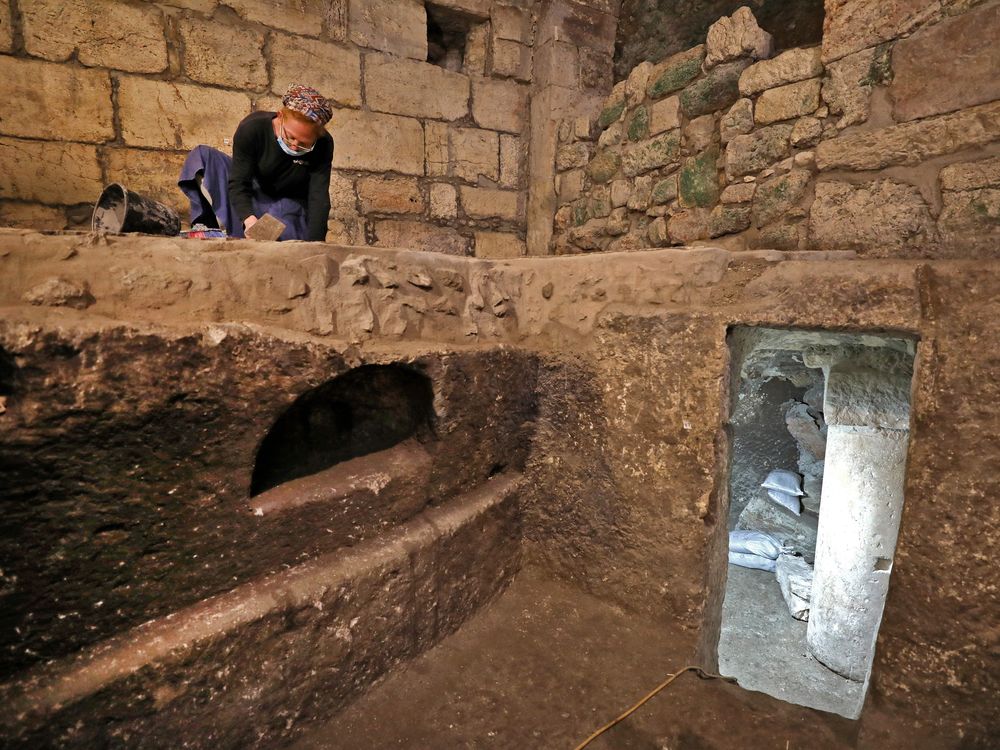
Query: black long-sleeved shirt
[[256, 154]]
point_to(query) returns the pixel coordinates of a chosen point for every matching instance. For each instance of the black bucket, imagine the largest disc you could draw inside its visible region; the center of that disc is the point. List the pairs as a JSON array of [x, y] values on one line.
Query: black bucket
[[119, 210]]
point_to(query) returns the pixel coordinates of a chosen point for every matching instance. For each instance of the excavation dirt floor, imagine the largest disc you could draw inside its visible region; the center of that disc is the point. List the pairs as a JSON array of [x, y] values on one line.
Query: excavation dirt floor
[[547, 664]]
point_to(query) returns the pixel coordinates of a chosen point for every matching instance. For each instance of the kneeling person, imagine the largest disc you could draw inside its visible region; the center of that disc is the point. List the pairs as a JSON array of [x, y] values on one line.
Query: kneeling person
[[281, 166]]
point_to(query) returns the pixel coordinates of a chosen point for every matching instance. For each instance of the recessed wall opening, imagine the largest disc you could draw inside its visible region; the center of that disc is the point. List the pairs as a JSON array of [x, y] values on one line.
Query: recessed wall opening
[[447, 37], [819, 428], [367, 409]]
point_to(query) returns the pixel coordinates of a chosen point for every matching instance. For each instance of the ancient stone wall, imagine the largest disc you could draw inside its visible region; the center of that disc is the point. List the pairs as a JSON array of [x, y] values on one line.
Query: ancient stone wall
[[427, 156], [884, 141]]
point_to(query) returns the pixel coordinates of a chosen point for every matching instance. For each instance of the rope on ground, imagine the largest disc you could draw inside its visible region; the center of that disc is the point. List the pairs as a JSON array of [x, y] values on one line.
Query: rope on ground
[[701, 673]]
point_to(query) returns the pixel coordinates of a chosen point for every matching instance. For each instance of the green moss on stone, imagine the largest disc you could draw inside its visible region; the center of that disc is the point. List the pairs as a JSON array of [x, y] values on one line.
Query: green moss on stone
[[611, 114], [698, 184], [652, 153], [718, 90], [664, 191], [674, 77], [880, 70], [604, 166], [581, 212], [638, 124], [777, 196]]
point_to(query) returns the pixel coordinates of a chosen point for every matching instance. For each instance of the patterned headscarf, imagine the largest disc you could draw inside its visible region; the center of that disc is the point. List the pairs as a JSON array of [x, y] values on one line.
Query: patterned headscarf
[[309, 102]]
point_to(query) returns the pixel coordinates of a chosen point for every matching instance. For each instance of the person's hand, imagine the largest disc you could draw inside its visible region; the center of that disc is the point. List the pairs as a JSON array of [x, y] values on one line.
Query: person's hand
[[249, 222]]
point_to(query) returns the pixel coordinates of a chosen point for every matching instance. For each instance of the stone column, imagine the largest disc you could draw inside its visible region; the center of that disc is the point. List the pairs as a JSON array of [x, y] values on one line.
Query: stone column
[[572, 39], [866, 406]]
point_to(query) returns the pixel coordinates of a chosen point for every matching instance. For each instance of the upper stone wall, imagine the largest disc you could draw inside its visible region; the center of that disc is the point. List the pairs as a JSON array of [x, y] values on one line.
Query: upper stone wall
[[106, 91], [655, 29], [888, 150]]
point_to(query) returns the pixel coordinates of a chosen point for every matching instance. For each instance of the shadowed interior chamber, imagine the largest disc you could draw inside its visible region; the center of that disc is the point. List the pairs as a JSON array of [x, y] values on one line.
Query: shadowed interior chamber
[[368, 409]]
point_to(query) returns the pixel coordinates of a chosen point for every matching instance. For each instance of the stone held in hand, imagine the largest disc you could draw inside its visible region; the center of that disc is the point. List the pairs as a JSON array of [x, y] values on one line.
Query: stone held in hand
[[265, 229]]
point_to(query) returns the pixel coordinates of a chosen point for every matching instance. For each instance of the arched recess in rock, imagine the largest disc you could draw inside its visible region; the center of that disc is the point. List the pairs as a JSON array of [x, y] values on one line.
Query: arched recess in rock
[[365, 410]]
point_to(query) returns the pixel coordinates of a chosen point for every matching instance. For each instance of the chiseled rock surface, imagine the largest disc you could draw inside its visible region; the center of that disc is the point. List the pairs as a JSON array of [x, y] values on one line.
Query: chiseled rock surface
[[947, 66], [853, 25], [879, 218], [848, 84], [912, 142], [970, 215]]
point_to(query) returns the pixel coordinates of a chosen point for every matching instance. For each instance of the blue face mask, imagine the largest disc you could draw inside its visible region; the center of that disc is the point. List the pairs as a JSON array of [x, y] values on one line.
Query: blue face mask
[[290, 151]]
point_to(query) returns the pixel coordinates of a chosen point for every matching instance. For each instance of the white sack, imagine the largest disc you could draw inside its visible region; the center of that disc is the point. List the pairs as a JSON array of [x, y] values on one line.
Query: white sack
[[795, 577], [755, 543], [747, 560]]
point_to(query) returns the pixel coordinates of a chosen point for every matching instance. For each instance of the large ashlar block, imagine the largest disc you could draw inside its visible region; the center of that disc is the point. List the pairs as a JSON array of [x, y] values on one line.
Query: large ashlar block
[[291, 15], [150, 173], [390, 195], [436, 148], [334, 71], [511, 154], [420, 235], [55, 102], [787, 102], [788, 67], [103, 33], [377, 143], [853, 25], [32, 216], [486, 203], [950, 65], [475, 153], [511, 23], [664, 115], [499, 105], [557, 64], [396, 26], [6, 32], [52, 173], [416, 89], [444, 201], [161, 114], [511, 59], [912, 142], [243, 66], [499, 245]]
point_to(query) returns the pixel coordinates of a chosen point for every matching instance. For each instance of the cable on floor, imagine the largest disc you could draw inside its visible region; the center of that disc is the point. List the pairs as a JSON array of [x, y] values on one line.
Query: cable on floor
[[700, 672]]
